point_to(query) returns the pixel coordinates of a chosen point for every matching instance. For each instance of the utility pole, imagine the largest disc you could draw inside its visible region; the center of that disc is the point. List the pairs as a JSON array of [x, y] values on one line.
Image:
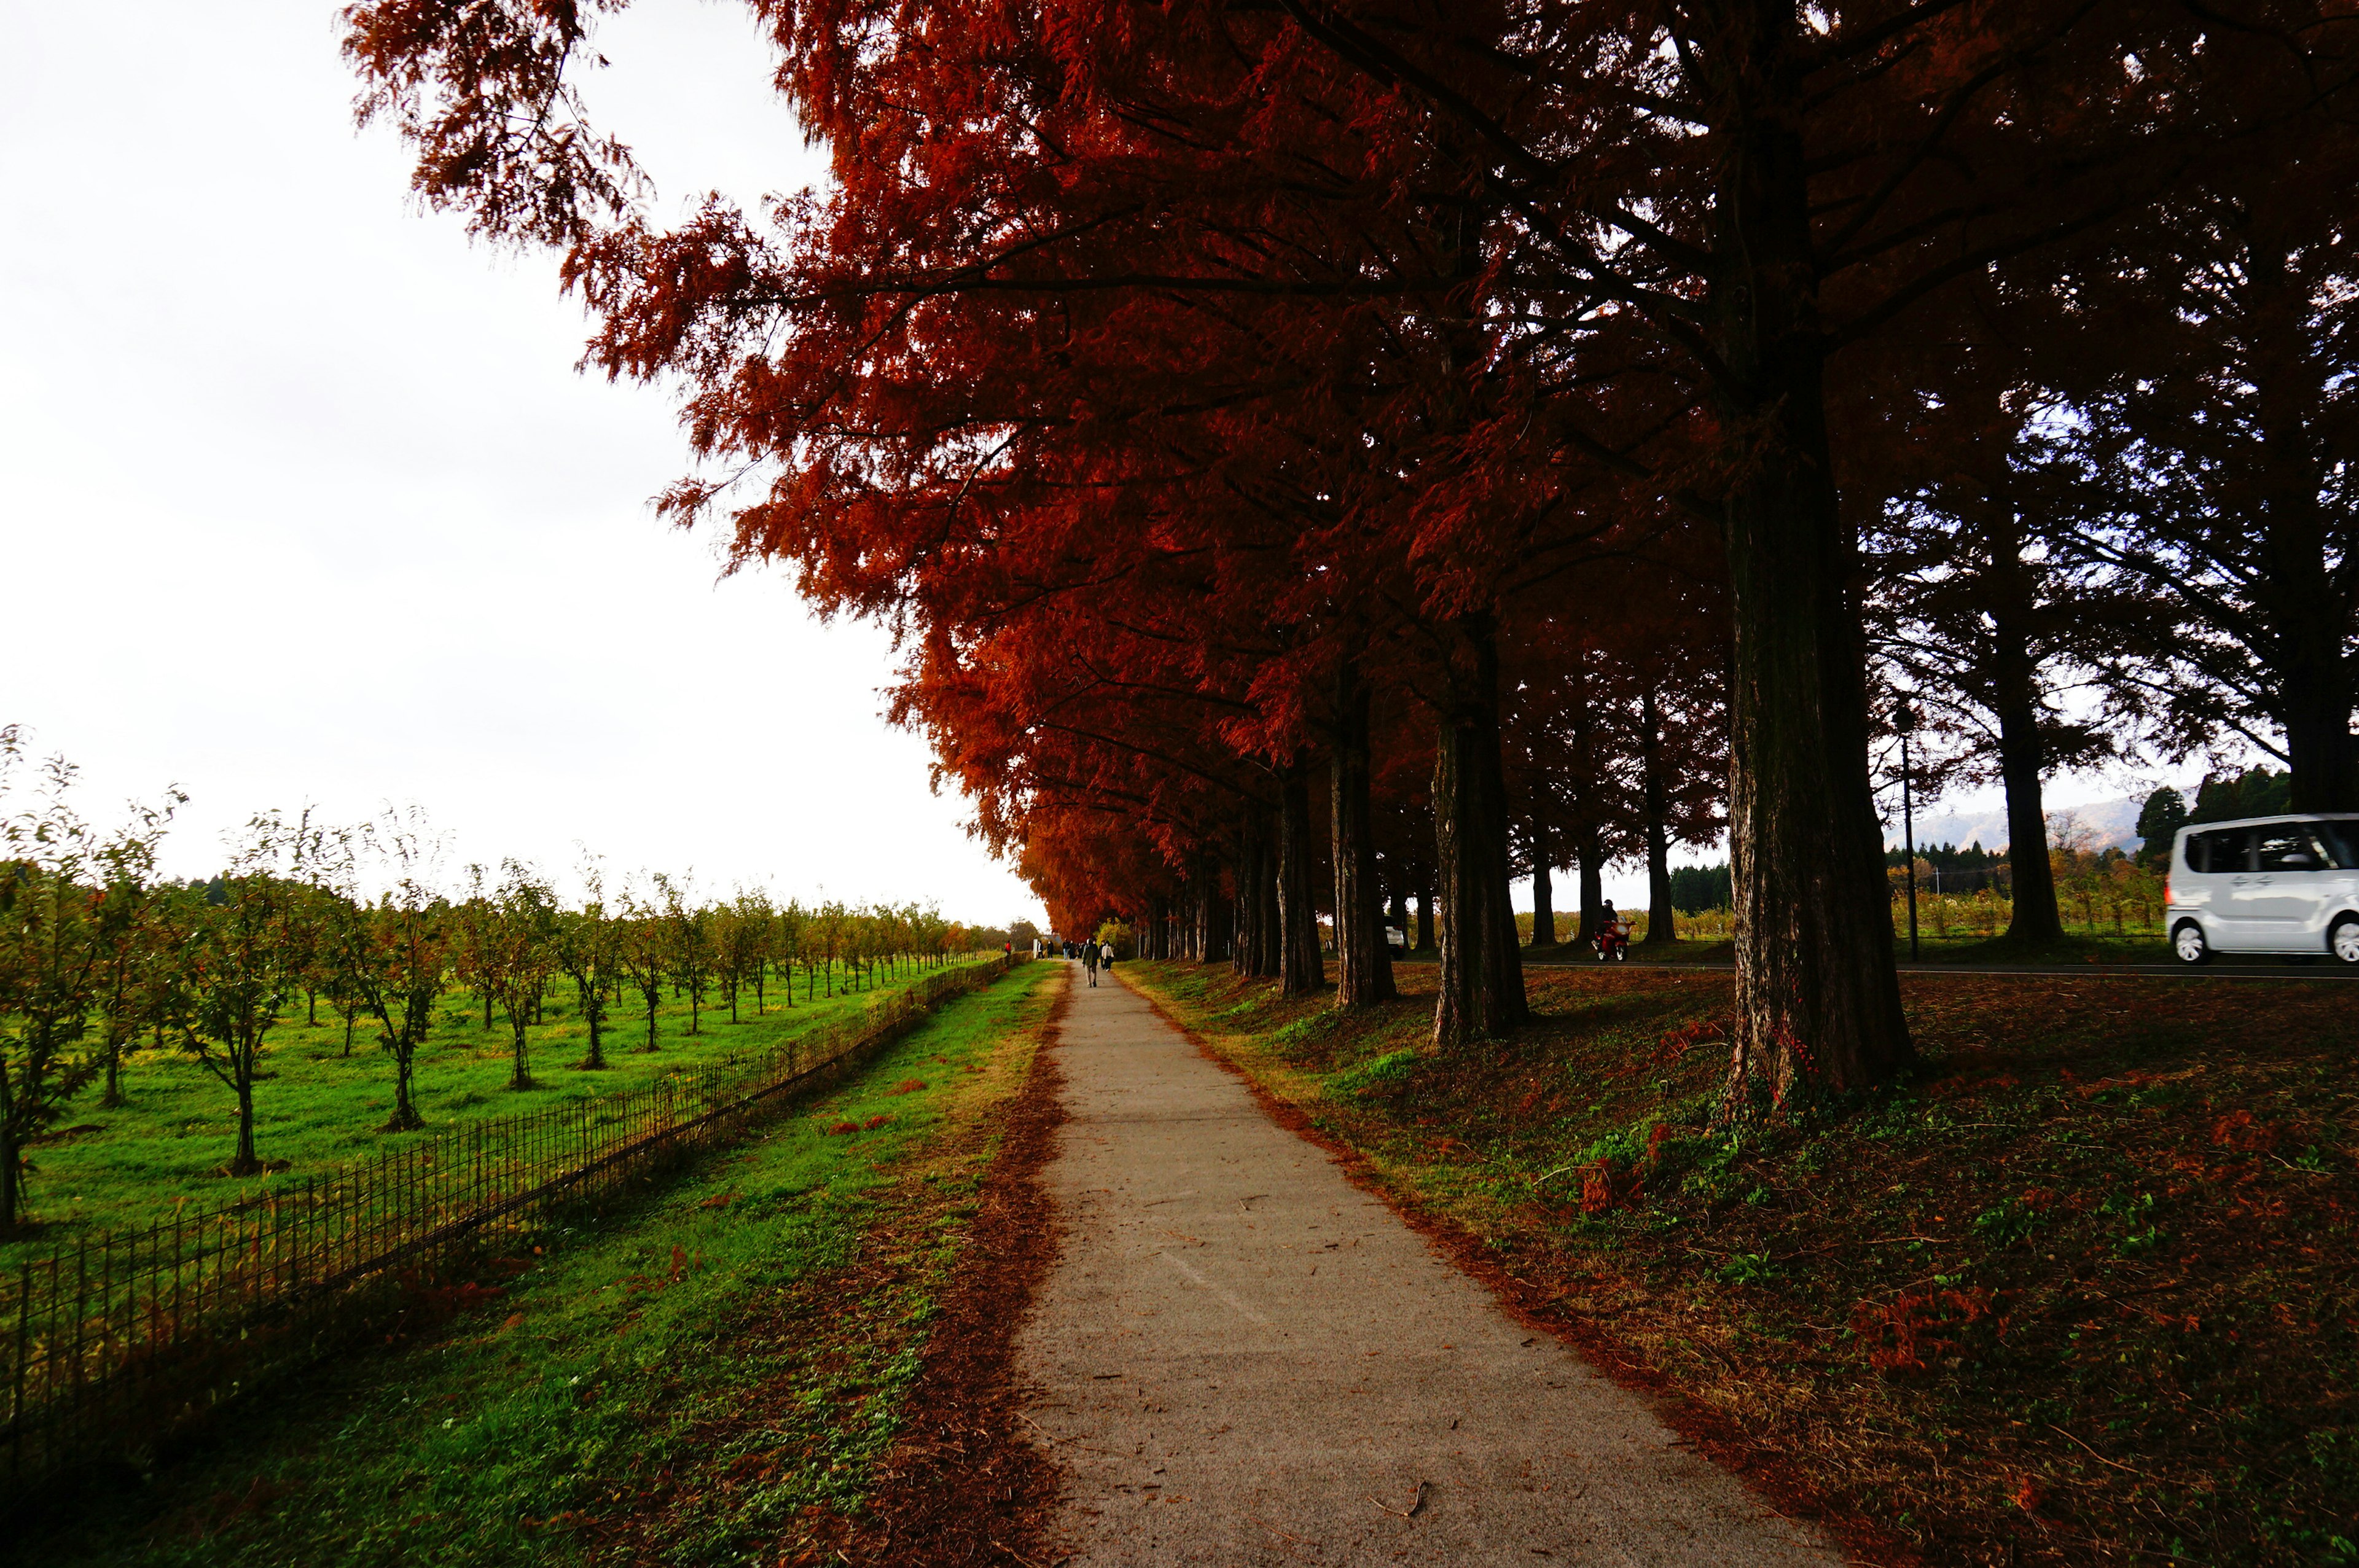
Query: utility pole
[[1903, 722]]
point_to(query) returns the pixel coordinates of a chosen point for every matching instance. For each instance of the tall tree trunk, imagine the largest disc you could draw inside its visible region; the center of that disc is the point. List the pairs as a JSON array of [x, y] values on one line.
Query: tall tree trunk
[[2318, 692], [1543, 892], [2307, 619], [1661, 930], [1363, 963], [11, 1180], [1482, 971], [1592, 883], [1215, 920], [1257, 941], [1818, 991], [1299, 970], [1398, 919], [1270, 929], [1425, 921], [1589, 838], [2020, 763]]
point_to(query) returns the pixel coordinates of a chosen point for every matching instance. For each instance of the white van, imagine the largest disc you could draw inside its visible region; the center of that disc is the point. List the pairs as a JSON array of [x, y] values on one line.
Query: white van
[[2265, 884]]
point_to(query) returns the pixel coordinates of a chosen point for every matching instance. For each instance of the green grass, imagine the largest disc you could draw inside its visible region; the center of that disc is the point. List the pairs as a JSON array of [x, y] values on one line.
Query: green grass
[[2100, 947], [2085, 1288], [132, 1163], [680, 1379], [2072, 948]]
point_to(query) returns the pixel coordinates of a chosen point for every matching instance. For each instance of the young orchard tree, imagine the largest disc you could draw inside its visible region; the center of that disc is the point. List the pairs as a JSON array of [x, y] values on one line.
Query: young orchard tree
[[398, 955], [752, 933], [55, 960], [642, 955], [470, 958], [517, 934], [583, 949], [131, 927], [792, 920], [238, 965], [688, 944]]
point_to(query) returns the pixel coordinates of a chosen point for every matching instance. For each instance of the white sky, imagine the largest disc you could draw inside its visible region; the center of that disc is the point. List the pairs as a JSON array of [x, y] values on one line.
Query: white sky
[[305, 502]]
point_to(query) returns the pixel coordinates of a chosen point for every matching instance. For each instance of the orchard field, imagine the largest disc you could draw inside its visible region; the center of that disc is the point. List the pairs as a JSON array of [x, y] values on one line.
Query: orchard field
[[719, 1362], [320, 1105]]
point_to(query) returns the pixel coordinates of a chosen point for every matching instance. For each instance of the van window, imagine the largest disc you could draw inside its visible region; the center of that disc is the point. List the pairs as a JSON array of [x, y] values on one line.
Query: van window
[[2340, 840], [2221, 849], [2287, 848]]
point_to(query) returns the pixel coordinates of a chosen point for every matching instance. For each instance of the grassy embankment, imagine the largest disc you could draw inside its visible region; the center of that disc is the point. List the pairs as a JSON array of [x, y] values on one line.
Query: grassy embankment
[[2084, 1289], [704, 1375], [1705, 940], [1958, 947], [130, 1165]]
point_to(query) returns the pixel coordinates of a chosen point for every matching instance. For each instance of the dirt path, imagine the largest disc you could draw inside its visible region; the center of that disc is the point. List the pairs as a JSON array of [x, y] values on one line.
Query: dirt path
[[1243, 1359]]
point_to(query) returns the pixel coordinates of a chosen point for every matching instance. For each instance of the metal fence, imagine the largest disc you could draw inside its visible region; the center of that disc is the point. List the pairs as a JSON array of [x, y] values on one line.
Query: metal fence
[[118, 1340]]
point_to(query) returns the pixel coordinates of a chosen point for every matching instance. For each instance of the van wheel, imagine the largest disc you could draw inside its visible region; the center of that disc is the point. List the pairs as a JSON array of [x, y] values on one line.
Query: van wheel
[[2344, 940], [2187, 943]]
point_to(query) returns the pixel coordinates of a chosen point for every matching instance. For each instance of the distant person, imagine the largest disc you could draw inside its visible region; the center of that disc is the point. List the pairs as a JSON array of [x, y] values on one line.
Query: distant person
[[1105, 958], [1090, 960]]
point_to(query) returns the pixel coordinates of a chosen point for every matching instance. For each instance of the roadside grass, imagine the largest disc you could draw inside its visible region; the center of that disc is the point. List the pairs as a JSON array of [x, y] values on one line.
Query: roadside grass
[[2083, 1290], [132, 1163], [698, 1376], [2072, 948], [1958, 947]]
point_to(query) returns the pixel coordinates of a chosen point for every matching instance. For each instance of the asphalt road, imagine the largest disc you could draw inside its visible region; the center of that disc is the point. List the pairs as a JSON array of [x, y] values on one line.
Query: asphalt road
[[1242, 1359]]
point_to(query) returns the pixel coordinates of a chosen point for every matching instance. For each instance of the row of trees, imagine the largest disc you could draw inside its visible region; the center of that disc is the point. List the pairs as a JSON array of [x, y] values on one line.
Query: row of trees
[[99, 952], [1542, 430]]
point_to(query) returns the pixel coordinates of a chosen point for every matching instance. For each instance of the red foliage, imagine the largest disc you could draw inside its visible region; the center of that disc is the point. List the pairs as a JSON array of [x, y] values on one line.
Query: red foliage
[[1916, 1328]]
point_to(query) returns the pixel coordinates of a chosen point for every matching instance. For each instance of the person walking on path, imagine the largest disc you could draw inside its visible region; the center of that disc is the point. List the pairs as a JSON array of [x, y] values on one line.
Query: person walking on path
[[1090, 960], [1105, 958]]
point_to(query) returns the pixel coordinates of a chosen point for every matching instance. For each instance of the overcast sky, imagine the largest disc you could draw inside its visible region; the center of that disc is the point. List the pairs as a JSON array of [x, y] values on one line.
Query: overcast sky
[[305, 502]]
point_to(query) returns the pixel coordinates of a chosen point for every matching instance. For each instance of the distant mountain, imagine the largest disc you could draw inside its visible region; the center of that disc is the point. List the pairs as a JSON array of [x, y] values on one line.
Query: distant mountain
[[2110, 822]]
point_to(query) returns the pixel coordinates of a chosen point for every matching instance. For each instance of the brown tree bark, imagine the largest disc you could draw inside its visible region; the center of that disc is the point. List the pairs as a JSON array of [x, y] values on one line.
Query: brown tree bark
[[1260, 938], [1250, 952], [1482, 971], [1817, 991], [1364, 964], [1588, 837], [2308, 616], [1299, 969], [1661, 929], [2020, 763], [1425, 922], [1592, 883], [1543, 890]]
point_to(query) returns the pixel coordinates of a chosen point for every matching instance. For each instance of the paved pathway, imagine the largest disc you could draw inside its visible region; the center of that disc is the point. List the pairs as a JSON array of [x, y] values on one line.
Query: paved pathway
[[1246, 1360]]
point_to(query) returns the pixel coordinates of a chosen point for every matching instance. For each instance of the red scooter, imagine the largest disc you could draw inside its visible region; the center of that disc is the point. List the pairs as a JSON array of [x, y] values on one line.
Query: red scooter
[[1613, 942]]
